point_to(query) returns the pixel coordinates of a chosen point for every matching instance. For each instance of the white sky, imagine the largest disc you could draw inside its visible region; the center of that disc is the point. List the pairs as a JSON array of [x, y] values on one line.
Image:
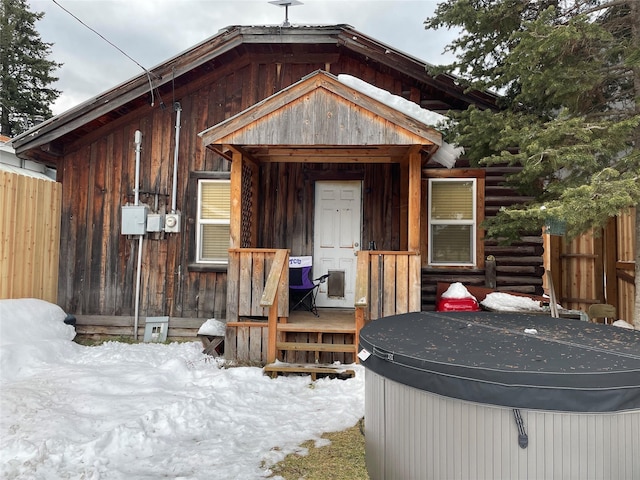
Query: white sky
[[152, 31], [148, 411]]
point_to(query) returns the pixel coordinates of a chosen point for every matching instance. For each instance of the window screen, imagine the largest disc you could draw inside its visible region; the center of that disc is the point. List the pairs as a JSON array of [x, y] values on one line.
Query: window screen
[[213, 221], [452, 221]]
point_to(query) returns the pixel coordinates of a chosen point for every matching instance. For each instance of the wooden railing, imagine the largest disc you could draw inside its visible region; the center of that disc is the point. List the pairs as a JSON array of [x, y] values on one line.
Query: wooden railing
[[257, 293], [278, 280], [387, 283], [247, 277]]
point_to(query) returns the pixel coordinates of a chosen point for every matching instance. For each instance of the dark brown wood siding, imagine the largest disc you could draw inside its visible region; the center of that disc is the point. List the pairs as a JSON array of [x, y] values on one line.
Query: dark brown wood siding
[[98, 264], [288, 203]]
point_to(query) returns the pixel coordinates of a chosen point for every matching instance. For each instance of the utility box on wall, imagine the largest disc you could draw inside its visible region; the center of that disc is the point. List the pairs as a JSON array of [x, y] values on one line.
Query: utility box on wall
[[134, 219], [155, 222], [172, 222]]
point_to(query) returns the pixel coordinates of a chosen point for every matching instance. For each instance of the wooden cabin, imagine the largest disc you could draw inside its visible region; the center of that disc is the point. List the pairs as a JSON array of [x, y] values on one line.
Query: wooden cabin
[[251, 150]]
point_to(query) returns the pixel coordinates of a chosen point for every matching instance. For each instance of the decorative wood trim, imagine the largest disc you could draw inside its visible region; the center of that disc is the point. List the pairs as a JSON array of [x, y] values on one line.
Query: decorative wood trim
[[453, 172]]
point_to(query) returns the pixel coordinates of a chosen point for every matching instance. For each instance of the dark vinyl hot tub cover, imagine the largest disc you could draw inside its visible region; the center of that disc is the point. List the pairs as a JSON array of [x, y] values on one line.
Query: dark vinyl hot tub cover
[[508, 359]]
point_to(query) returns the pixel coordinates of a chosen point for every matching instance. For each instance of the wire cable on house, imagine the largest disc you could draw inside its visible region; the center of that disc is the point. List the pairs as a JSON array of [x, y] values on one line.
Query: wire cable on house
[[114, 46]]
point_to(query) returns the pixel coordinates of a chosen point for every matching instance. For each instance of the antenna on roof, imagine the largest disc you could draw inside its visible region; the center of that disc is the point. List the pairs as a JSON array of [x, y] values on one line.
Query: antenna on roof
[[286, 4]]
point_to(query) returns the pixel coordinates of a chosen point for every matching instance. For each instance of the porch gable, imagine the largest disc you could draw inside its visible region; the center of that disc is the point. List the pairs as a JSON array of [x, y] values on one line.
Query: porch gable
[[320, 113]]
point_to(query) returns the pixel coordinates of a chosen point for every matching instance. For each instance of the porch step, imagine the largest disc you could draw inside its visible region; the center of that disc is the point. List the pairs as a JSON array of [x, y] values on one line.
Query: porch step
[[311, 328], [313, 369], [316, 347]]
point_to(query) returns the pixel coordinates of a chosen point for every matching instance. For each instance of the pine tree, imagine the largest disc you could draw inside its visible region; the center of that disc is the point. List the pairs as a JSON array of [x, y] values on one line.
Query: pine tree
[[25, 72], [569, 72]]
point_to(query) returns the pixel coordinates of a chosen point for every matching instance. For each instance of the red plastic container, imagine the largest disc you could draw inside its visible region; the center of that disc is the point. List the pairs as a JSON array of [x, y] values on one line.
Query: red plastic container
[[457, 305]]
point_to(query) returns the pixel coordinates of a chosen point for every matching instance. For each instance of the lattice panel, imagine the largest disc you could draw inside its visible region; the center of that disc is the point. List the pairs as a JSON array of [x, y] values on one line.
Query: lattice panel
[[247, 207]]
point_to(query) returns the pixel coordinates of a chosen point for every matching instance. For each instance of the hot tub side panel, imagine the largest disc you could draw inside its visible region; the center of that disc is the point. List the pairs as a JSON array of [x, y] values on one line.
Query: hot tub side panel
[[375, 434], [411, 433]]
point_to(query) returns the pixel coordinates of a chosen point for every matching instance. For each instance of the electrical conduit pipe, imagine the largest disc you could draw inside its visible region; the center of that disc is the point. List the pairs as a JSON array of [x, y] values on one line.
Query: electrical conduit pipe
[[138, 142]]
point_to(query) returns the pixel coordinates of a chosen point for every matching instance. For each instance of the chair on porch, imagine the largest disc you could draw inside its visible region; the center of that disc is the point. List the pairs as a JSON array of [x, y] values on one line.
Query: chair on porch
[[303, 290], [602, 311]]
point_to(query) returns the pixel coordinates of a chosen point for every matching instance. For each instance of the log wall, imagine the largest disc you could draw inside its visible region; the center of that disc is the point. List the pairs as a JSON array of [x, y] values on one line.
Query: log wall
[[518, 267]]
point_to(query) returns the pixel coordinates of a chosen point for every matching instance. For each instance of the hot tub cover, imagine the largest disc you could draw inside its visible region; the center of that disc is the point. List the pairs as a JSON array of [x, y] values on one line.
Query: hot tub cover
[[508, 359]]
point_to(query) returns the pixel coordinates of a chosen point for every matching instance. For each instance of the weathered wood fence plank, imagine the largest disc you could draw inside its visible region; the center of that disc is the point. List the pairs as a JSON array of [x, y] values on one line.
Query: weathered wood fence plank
[[29, 236]]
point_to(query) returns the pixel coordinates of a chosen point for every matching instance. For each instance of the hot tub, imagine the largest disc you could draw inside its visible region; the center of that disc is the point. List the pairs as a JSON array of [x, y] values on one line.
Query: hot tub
[[469, 395]]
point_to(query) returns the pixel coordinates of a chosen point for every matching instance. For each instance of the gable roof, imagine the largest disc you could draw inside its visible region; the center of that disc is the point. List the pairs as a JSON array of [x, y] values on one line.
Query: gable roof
[[309, 41], [320, 112]]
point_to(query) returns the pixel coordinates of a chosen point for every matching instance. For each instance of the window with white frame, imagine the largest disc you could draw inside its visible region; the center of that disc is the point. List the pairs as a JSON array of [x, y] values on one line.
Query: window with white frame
[[212, 233], [452, 221]]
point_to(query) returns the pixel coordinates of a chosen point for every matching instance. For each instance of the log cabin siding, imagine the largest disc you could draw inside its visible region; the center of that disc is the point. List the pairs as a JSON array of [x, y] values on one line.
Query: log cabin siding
[[98, 264], [519, 266]]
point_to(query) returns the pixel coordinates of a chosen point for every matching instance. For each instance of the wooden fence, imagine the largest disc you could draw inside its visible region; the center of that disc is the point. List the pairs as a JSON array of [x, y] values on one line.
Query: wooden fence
[[597, 267], [29, 237]]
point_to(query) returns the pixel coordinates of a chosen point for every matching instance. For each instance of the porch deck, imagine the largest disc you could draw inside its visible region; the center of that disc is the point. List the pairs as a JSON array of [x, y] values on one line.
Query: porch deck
[[262, 330], [329, 320]]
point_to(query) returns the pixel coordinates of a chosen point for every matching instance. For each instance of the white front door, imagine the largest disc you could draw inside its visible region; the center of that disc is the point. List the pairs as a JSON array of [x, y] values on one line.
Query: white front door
[[337, 226]]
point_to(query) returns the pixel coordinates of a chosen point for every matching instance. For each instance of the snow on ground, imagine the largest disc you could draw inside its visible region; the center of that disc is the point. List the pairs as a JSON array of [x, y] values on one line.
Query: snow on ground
[[148, 411]]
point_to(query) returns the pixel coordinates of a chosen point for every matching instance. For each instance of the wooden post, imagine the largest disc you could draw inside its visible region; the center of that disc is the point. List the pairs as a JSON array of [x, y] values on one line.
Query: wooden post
[[235, 225], [490, 272], [609, 258], [360, 321], [270, 299], [414, 199], [272, 331]]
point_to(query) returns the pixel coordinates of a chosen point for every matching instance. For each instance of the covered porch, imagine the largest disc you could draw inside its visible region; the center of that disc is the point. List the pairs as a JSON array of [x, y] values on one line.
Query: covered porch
[[319, 130]]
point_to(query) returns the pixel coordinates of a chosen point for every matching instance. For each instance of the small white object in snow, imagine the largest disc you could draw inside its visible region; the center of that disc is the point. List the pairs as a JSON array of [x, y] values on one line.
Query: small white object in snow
[[457, 290], [532, 331], [213, 327]]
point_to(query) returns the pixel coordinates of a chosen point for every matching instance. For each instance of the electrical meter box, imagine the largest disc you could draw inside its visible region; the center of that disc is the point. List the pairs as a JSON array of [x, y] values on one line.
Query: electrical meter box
[[172, 222], [134, 219]]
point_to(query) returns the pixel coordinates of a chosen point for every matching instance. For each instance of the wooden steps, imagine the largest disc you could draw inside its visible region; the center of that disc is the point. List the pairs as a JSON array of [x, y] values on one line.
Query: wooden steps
[[273, 369], [313, 337]]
